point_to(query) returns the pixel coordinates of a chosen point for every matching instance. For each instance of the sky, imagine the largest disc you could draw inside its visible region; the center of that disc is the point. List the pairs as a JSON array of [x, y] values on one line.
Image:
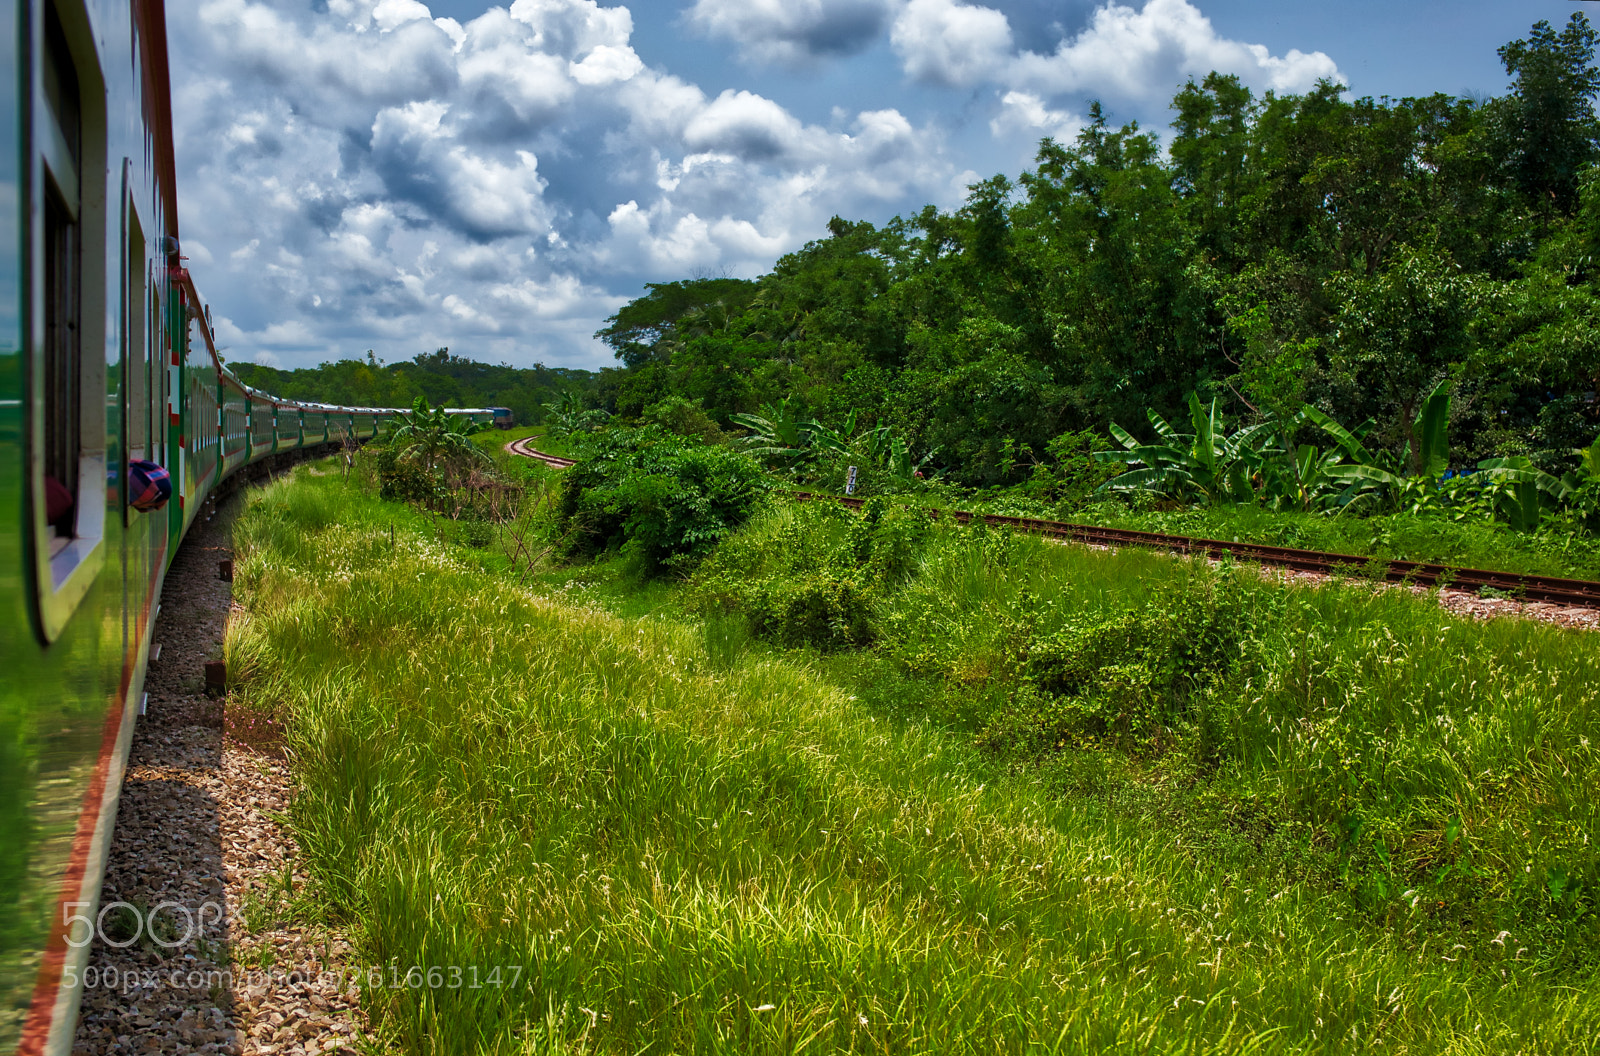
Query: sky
[[385, 175]]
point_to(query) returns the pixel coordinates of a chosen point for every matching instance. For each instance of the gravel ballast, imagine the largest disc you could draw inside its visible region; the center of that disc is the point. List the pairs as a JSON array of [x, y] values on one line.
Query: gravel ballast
[[199, 851]]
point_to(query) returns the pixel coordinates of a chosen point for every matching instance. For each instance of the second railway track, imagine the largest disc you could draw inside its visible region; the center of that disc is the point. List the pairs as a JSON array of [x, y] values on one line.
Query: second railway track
[[1577, 593]]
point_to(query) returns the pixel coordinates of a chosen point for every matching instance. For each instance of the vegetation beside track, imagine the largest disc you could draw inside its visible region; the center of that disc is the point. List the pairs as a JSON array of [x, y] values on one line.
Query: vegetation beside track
[[1568, 551], [1272, 819]]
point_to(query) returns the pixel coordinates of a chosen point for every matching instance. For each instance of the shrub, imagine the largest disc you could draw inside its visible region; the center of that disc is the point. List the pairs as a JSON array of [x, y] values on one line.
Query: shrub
[[813, 574], [403, 479], [1139, 679], [667, 498], [825, 611]]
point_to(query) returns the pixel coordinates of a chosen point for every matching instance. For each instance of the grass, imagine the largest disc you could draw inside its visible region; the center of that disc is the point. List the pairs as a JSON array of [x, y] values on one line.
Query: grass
[[1361, 739], [657, 835]]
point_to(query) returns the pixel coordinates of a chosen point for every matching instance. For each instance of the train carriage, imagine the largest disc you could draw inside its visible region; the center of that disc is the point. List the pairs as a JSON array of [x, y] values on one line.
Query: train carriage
[[107, 358]]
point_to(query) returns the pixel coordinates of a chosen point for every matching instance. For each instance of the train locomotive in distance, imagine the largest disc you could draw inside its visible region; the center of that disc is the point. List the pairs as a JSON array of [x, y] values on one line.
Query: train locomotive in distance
[[117, 420]]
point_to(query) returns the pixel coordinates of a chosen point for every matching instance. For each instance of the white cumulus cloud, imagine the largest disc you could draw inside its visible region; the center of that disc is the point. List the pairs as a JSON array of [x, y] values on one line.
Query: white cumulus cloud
[[369, 176], [1146, 53], [946, 42]]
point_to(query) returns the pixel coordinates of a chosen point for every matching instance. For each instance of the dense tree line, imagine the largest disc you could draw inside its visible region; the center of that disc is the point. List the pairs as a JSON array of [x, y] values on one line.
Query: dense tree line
[[1350, 253], [440, 377]]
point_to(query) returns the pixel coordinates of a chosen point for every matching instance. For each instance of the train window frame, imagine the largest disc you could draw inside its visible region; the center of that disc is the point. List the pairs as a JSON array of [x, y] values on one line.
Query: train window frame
[[135, 395], [67, 331]]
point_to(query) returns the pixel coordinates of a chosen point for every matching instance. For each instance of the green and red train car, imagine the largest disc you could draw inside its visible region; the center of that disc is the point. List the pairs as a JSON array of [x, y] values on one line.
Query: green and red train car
[[107, 356]]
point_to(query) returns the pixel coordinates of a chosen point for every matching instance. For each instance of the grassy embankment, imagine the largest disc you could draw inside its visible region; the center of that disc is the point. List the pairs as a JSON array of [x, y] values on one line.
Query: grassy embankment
[[687, 841]]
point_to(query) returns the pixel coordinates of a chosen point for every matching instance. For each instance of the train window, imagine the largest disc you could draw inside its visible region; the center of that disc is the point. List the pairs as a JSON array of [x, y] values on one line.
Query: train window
[[69, 356], [63, 383], [136, 354], [160, 357]]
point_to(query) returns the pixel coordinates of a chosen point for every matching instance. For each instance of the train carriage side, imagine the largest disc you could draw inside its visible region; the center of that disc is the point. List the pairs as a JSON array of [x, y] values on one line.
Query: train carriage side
[[88, 226], [107, 357]]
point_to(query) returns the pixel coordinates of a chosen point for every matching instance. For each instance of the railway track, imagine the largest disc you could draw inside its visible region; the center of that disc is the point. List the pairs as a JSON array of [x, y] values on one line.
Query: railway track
[[1573, 592], [1577, 593], [525, 448]]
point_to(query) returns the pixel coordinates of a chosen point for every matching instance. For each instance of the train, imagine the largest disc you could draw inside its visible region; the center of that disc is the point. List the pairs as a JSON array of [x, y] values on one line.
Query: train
[[111, 390]]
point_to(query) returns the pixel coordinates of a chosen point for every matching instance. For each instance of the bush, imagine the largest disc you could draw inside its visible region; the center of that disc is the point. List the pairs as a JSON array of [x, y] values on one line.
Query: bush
[[666, 498], [813, 574], [1144, 678], [683, 417], [403, 479], [826, 611]]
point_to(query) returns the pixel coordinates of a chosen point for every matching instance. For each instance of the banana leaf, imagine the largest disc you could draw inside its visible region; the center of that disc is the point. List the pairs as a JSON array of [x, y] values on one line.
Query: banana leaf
[[1432, 429]]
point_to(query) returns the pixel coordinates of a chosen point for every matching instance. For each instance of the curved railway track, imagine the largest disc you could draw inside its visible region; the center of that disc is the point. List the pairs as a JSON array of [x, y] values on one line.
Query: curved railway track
[[1577, 593], [524, 447]]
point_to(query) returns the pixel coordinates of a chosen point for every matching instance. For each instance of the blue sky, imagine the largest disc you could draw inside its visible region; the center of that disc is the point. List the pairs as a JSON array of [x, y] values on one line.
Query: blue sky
[[395, 175]]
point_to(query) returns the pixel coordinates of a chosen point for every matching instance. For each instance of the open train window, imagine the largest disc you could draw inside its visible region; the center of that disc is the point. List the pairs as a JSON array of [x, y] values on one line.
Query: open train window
[[68, 360], [62, 279]]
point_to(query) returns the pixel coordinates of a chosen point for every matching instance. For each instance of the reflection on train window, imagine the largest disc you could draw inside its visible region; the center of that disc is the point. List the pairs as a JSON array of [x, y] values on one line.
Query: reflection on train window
[[136, 357], [63, 359], [158, 378]]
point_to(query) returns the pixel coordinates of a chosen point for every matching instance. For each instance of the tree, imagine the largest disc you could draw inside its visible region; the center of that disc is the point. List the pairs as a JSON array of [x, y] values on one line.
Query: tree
[[1545, 131], [1396, 335]]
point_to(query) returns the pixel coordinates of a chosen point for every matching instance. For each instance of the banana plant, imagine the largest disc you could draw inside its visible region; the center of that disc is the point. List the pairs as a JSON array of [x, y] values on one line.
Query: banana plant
[[1301, 479], [1432, 427], [1365, 473], [778, 431], [838, 441], [1523, 503], [1208, 462], [434, 437]]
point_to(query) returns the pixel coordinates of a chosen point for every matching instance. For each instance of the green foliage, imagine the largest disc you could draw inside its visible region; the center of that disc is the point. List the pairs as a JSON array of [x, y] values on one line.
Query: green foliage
[[434, 438], [1545, 131], [1139, 679], [425, 455], [778, 432], [405, 480], [1207, 464], [663, 497], [1349, 253], [684, 417], [813, 574]]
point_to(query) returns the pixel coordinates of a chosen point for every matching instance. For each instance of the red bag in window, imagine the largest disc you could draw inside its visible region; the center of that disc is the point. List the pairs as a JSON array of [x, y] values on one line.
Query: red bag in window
[[149, 486], [57, 500]]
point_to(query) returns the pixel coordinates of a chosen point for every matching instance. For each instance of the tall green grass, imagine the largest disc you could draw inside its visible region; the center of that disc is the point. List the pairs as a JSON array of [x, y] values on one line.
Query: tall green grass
[[1359, 737], [681, 843]]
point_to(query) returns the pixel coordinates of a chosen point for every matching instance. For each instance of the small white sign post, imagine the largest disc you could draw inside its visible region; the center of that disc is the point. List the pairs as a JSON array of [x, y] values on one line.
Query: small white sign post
[[850, 482]]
